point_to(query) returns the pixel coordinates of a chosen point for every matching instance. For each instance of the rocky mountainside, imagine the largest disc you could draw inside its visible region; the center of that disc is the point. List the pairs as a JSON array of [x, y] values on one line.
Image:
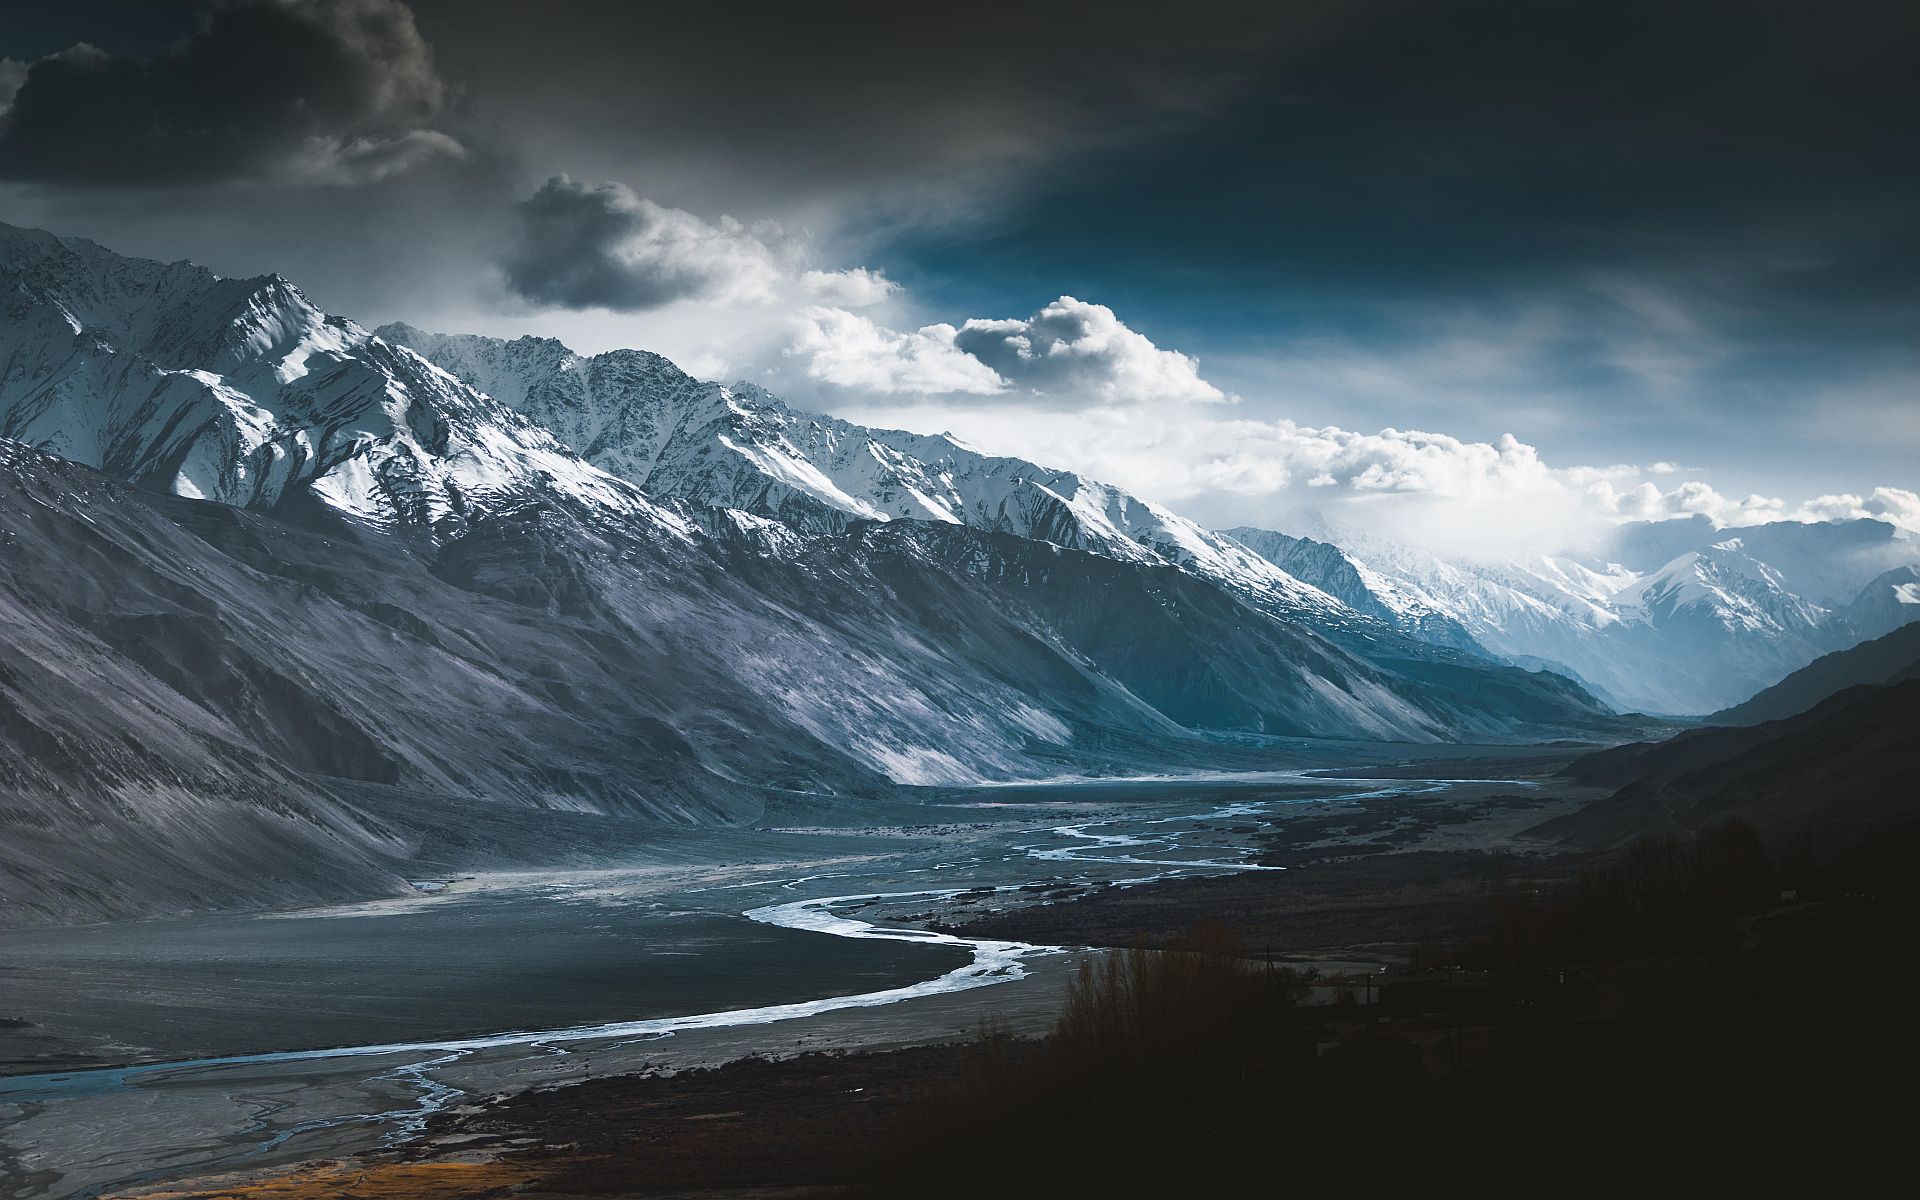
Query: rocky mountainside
[[639, 417], [201, 704]]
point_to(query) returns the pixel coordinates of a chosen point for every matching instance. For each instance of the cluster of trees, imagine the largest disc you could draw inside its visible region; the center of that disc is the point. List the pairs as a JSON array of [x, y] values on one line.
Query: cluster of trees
[[1167, 1073], [1692, 894], [1662, 895]]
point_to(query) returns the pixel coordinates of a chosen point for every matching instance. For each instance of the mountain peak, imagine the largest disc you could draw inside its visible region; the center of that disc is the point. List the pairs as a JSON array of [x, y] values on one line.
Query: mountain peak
[[244, 392]]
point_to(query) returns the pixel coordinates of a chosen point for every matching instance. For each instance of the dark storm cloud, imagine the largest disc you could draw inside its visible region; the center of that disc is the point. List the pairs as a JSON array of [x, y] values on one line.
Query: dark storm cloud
[[1381, 139], [321, 91], [1462, 140], [584, 245], [1305, 160], [13, 73], [848, 104], [1520, 216]]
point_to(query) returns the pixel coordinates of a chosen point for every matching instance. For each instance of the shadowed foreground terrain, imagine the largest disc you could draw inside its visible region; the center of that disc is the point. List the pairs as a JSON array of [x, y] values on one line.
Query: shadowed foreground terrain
[[1677, 1009]]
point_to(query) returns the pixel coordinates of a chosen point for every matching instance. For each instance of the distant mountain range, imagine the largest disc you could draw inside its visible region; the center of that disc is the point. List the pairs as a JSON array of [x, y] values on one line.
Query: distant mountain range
[[638, 417], [1675, 617]]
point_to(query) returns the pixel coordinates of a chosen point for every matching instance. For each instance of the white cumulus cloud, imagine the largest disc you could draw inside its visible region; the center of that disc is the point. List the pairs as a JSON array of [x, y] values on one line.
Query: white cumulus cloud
[[855, 287], [599, 245], [1069, 355], [1479, 499], [1896, 506], [1073, 350], [851, 351]]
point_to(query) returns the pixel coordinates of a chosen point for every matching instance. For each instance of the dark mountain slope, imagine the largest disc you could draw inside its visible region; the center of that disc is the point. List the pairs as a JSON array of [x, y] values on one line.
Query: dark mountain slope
[[187, 690], [1888, 659], [1836, 774]]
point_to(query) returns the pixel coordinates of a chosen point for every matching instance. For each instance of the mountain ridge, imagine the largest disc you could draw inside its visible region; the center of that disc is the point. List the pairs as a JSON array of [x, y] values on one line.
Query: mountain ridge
[[641, 418], [607, 407]]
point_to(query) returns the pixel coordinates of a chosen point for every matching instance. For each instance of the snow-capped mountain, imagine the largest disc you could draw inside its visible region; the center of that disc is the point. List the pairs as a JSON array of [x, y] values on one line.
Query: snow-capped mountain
[[641, 418], [241, 391], [739, 447], [1677, 617], [1828, 563]]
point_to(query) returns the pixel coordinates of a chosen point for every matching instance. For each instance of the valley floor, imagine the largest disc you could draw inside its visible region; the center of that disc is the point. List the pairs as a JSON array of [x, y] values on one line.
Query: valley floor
[[1042, 858], [1665, 1068]]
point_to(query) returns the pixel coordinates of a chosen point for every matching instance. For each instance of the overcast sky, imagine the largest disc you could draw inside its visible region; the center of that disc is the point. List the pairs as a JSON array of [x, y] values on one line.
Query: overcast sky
[[1484, 271]]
